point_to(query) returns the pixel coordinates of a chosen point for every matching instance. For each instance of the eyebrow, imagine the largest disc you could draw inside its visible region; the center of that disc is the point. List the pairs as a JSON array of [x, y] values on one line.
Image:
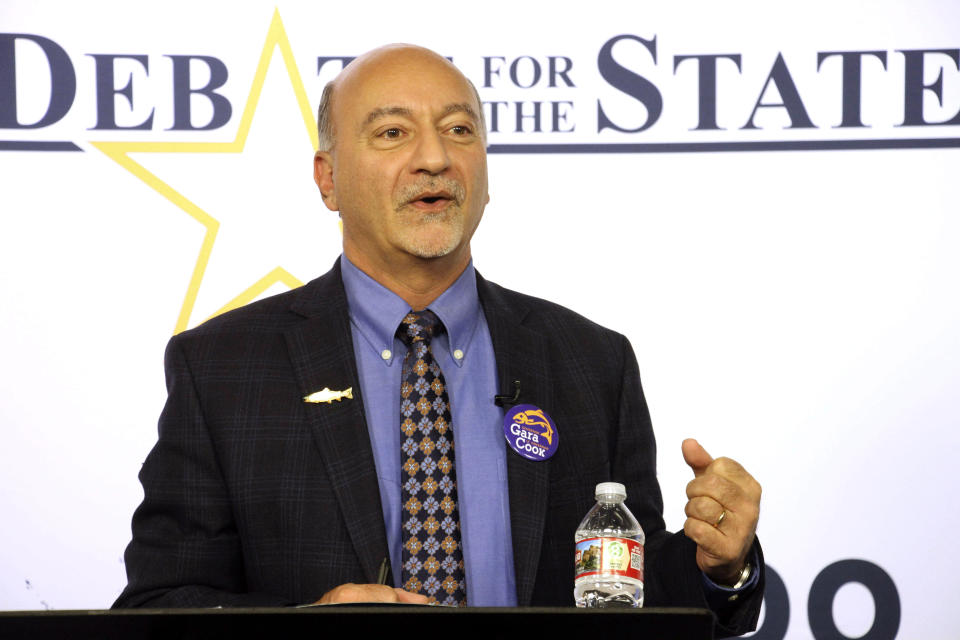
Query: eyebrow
[[457, 107], [460, 107], [380, 112]]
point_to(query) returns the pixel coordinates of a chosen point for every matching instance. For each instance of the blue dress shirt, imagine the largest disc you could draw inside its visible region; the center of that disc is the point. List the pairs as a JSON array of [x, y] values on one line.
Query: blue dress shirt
[[465, 355]]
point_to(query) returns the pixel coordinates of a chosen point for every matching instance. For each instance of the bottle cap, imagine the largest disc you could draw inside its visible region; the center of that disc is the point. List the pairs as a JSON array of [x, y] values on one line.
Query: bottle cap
[[610, 488]]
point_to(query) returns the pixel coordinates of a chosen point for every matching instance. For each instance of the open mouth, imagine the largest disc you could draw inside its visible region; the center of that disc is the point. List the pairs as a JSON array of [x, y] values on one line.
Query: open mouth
[[432, 200], [433, 196]]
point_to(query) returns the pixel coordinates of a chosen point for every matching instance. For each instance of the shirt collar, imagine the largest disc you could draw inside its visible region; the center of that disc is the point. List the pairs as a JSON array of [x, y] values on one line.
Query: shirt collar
[[376, 311]]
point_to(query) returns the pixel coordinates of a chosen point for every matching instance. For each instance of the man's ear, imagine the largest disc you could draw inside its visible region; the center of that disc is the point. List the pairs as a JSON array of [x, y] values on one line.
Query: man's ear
[[323, 176]]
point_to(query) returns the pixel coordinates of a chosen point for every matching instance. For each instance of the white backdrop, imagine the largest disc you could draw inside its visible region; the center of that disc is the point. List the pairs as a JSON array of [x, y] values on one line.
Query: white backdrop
[[794, 309]]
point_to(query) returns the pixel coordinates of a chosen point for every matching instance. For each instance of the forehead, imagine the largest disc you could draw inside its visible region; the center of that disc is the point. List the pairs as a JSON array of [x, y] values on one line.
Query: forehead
[[402, 80]]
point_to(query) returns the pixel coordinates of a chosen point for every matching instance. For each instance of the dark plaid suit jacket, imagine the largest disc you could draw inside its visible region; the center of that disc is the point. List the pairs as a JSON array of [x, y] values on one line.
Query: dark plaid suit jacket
[[253, 497]]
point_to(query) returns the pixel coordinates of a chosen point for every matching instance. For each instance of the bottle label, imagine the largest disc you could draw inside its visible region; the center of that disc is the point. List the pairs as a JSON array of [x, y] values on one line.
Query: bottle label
[[616, 556]]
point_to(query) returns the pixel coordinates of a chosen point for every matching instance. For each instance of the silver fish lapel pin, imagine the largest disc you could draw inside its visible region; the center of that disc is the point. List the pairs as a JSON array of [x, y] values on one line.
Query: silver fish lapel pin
[[328, 395]]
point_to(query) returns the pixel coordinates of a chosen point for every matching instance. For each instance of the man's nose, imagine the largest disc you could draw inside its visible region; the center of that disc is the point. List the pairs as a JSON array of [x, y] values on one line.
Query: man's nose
[[430, 154]]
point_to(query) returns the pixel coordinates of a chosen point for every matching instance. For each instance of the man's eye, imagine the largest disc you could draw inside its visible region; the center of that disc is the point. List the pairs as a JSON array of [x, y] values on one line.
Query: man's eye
[[460, 130], [392, 134]]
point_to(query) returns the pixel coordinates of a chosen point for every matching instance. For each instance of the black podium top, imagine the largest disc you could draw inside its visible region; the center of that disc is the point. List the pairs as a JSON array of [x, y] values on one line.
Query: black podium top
[[357, 621]]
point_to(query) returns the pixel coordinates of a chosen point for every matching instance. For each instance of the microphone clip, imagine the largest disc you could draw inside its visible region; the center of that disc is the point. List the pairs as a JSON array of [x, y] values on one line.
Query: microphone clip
[[503, 401]]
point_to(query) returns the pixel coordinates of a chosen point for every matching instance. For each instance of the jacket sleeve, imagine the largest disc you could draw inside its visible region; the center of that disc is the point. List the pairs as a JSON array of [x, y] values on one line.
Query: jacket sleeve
[[185, 550], [671, 577]]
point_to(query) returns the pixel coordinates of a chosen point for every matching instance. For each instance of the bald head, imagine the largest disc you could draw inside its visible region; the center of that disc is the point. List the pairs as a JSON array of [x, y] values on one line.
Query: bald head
[[387, 59]]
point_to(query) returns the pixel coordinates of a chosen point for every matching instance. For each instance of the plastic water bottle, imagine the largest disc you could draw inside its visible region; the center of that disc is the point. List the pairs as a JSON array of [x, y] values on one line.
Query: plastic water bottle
[[609, 553]]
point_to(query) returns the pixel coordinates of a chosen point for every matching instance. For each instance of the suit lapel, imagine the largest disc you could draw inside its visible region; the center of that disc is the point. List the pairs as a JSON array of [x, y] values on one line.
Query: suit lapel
[[321, 351], [521, 355]]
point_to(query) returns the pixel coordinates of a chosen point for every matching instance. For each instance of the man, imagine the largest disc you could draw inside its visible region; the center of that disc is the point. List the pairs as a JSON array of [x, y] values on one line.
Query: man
[[255, 496]]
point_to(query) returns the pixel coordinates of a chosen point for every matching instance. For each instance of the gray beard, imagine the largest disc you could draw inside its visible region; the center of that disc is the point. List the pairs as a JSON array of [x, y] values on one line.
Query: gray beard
[[452, 222]]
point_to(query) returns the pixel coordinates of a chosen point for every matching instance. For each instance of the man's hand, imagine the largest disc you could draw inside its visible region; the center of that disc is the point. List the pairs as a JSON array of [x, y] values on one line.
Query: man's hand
[[370, 593], [723, 506]]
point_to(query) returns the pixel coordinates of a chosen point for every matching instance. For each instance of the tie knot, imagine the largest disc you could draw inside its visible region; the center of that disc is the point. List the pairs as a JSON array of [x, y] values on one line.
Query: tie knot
[[419, 326]]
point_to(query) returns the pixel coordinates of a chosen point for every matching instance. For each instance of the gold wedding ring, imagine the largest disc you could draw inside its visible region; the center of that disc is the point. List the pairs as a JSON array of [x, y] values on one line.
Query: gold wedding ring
[[723, 514]]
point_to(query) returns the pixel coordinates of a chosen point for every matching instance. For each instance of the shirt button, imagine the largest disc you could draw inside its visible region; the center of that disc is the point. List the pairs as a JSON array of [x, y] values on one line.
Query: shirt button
[[385, 354], [458, 354]]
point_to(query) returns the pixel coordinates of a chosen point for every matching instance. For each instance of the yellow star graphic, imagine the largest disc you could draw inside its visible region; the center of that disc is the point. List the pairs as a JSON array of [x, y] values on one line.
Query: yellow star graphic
[[120, 153]]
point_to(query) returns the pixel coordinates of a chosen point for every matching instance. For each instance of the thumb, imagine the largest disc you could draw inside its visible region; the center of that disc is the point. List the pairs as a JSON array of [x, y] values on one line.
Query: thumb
[[695, 456]]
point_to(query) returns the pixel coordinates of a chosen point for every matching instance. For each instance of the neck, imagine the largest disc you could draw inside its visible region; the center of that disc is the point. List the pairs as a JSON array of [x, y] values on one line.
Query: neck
[[419, 281]]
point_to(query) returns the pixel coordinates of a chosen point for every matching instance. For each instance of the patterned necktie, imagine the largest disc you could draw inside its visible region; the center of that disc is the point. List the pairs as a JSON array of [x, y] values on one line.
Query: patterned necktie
[[432, 553]]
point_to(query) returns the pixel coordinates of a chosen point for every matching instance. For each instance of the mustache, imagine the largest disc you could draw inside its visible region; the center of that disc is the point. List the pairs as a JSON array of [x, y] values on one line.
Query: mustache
[[435, 186]]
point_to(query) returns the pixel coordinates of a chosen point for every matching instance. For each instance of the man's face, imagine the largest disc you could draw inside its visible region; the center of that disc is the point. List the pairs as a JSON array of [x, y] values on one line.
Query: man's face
[[408, 168]]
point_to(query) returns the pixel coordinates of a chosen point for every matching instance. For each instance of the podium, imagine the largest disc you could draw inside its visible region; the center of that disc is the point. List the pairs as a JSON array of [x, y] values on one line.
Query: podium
[[359, 621]]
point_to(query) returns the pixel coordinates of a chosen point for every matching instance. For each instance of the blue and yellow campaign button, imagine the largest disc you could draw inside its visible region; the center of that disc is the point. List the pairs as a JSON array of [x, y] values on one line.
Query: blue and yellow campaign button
[[530, 432]]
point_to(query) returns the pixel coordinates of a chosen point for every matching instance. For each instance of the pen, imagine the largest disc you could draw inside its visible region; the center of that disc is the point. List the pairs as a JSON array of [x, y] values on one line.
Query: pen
[[382, 574]]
